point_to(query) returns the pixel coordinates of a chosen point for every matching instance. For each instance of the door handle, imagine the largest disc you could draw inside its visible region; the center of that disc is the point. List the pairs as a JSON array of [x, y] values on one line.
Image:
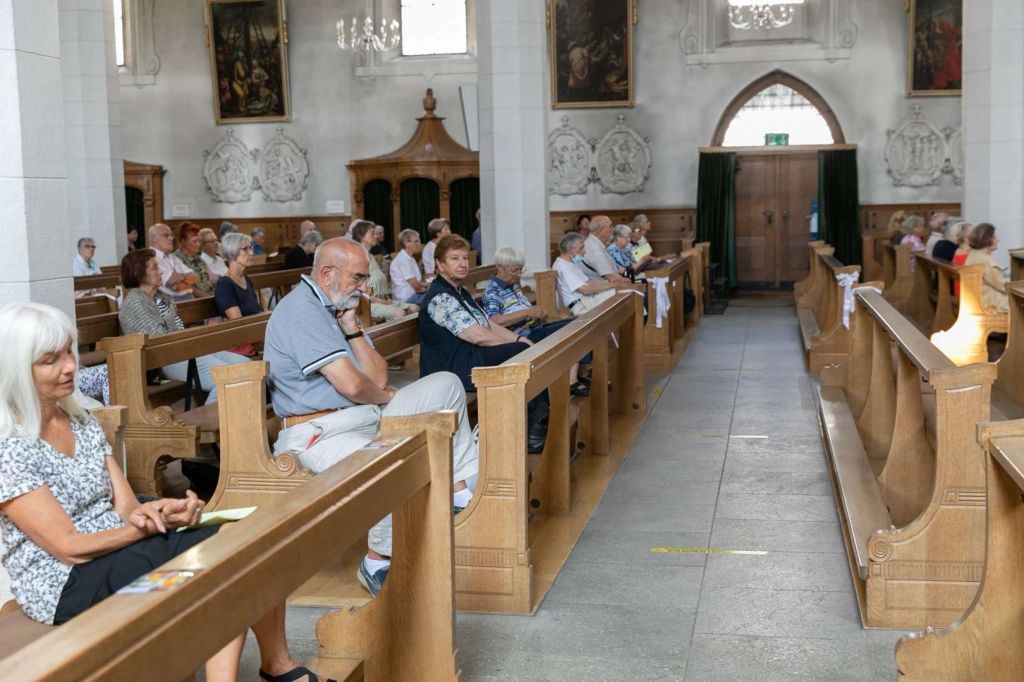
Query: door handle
[[769, 215]]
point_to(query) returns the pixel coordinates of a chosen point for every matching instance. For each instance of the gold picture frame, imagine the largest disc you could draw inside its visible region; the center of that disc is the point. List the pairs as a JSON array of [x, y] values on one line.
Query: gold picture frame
[[934, 48], [591, 45], [248, 45]]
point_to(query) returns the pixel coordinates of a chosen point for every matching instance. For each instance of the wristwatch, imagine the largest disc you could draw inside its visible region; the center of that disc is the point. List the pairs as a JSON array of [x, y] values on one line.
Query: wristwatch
[[356, 335]]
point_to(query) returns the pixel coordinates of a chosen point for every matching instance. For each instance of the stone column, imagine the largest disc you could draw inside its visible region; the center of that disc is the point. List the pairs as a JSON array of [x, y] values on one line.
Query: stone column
[[92, 124], [35, 261], [513, 134], [993, 103]]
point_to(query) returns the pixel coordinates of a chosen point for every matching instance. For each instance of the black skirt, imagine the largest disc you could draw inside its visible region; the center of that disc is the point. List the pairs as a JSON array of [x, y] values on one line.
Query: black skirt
[[95, 580]]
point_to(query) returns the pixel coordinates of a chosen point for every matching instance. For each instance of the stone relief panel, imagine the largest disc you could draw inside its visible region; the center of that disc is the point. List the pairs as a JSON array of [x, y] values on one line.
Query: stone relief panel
[[623, 159], [283, 169], [570, 160], [229, 169], [918, 153], [619, 161], [233, 171]]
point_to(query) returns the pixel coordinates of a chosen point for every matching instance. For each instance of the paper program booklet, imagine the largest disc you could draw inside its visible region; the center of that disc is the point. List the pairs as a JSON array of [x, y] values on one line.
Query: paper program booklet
[[215, 518]]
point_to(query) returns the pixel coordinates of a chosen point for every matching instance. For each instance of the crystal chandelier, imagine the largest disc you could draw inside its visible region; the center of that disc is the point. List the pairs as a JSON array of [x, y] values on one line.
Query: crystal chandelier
[[367, 39], [749, 14]]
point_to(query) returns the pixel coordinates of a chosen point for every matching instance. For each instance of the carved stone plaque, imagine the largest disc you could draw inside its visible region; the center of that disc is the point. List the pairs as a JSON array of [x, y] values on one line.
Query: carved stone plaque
[[228, 168], [916, 152], [283, 169], [569, 160], [623, 159]]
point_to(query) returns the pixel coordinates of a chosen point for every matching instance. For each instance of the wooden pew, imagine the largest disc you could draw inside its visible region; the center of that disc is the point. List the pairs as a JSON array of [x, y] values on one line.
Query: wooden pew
[[959, 327], [896, 275], [984, 643], [1016, 264], [105, 281], [820, 311], [502, 565], [153, 434], [869, 249], [664, 340], [908, 474], [88, 306], [1008, 390], [406, 633], [810, 282]]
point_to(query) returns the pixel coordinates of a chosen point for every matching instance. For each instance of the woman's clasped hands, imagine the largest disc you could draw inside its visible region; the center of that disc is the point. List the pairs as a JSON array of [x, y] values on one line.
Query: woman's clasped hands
[[159, 516]]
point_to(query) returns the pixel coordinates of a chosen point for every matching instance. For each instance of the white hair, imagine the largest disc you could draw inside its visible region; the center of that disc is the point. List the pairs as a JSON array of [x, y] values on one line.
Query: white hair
[[28, 331], [232, 244], [623, 231], [508, 257]]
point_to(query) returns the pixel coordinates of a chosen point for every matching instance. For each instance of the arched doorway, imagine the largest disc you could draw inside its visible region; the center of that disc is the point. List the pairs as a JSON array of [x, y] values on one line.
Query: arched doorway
[[775, 128]]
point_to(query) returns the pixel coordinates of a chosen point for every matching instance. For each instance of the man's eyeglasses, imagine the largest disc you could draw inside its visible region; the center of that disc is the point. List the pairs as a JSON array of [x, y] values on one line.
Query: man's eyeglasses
[[356, 278]]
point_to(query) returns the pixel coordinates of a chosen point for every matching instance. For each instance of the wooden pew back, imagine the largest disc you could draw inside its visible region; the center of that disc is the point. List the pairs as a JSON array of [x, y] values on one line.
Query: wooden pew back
[[1009, 386], [896, 275], [665, 330], [407, 632], [1016, 264]]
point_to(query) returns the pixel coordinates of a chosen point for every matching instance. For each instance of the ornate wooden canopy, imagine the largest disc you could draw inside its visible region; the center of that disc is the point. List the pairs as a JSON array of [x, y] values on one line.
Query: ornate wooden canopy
[[430, 153]]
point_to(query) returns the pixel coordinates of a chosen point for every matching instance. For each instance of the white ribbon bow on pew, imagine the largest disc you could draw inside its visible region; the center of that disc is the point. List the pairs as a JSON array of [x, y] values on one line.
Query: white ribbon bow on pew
[[664, 301], [846, 281]]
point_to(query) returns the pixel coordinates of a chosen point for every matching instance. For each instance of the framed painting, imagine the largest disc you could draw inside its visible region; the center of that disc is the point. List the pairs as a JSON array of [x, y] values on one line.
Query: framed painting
[[935, 48], [248, 42], [591, 53]]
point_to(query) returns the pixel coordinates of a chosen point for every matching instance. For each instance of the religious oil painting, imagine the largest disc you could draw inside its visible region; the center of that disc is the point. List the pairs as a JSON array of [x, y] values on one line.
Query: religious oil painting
[[935, 47], [248, 42], [592, 52]]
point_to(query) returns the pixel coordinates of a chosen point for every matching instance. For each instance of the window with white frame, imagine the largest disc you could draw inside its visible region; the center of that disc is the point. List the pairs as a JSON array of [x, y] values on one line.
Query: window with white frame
[[119, 32], [434, 27], [777, 109]]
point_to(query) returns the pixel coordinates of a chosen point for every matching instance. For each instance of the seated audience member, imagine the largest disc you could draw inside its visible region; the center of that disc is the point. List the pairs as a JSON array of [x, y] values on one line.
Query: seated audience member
[[382, 308], [330, 387], [436, 228], [301, 255], [235, 294], [596, 255], [74, 534], [894, 230], [133, 238], [209, 251], [619, 248], [583, 225], [915, 232], [946, 247], [984, 242], [456, 335], [146, 309], [85, 262], [505, 303], [381, 248], [936, 225], [641, 226], [259, 238], [406, 279], [190, 253], [476, 240], [578, 293], [963, 245], [226, 227], [305, 227], [177, 280]]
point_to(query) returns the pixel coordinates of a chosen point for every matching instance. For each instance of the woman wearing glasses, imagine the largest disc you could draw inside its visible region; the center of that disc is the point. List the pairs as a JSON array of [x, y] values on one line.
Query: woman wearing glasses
[[235, 295]]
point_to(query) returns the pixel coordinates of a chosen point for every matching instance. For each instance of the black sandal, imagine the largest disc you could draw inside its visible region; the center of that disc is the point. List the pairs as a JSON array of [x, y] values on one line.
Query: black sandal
[[292, 675]]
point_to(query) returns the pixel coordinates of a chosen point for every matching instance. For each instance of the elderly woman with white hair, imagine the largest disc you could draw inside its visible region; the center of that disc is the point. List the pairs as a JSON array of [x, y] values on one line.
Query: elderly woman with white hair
[[73, 532], [382, 307], [235, 294], [504, 303], [436, 228]]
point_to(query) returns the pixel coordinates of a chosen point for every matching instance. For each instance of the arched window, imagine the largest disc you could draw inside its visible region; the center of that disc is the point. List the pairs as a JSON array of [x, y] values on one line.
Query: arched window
[[778, 104]]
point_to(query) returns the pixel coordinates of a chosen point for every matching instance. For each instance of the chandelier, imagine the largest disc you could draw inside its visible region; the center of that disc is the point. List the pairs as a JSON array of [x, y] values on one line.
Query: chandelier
[[749, 14], [367, 39]]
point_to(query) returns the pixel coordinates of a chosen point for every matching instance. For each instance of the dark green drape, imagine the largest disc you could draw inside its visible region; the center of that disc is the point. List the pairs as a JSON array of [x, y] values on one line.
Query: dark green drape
[[465, 200], [135, 213], [421, 203], [716, 203], [377, 207], [838, 203]]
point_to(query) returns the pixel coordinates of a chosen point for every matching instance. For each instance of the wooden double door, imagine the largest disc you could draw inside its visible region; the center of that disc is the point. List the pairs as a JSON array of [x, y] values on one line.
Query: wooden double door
[[774, 191]]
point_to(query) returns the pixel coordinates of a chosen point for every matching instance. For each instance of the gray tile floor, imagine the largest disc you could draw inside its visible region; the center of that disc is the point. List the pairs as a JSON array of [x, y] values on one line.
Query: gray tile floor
[[730, 458]]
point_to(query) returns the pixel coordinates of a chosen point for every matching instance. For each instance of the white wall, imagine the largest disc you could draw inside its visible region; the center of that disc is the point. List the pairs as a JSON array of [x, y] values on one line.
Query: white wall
[[339, 118], [335, 116]]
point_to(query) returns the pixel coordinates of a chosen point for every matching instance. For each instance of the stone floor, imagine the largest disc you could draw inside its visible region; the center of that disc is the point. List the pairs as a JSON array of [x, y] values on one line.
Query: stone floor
[[730, 458]]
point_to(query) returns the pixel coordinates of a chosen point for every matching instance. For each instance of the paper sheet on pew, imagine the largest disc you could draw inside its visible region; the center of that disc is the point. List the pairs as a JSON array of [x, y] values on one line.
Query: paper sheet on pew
[[215, 518], [158, 581], [641, 251]]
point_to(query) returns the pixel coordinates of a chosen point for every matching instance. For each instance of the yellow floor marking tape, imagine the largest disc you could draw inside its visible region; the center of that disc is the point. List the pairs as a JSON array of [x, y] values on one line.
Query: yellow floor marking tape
[[705, 550]]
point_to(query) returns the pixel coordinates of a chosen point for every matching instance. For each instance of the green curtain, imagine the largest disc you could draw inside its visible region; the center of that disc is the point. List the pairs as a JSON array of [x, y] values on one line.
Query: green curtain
[[716, 202], [421, 203], [377, 207], [135, 214], [838, 202], [465, 200]]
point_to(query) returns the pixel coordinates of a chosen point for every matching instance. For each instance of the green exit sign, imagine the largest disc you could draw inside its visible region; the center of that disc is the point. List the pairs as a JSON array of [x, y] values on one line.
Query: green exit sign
[[776, 139]]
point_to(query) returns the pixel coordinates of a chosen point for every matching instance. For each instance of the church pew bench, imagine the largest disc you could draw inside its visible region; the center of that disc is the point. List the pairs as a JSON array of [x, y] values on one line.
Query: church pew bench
[[104, 281], [897, 419], [1016, 264], [872, 267], [1008, 390], [504, 564], [88, 306], [153, 434], [810, 281], [983, 644], [826, 339], [665, 331], [896, 275], [407, 632], [959, 326]]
